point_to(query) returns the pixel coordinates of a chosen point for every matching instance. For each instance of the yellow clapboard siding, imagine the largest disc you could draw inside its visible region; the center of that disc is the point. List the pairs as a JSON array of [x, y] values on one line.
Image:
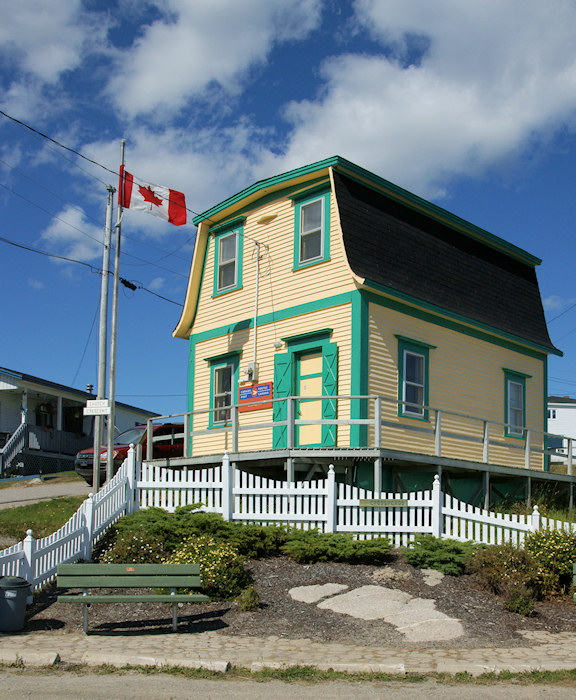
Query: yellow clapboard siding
[[280, 286], [466, 375]]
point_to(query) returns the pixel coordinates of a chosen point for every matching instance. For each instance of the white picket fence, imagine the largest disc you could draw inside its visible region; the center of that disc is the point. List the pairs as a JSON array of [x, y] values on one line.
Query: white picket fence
[[332, 507], [36, 560], [238, 496]]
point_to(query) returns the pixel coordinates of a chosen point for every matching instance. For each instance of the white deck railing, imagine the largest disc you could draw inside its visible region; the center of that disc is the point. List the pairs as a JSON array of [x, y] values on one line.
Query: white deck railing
[[381, 422]]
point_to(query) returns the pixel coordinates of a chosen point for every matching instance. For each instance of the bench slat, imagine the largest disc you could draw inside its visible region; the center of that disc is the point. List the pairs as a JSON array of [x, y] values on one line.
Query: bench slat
[[97, 581], [152, 598], [126, 569]]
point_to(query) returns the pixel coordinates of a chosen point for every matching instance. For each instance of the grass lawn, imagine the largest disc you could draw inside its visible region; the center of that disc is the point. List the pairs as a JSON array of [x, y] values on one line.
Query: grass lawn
[[42, 518]]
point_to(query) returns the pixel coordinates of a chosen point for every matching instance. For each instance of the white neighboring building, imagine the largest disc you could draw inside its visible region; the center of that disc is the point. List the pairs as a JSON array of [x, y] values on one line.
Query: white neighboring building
[[561, 421], [42, 425]]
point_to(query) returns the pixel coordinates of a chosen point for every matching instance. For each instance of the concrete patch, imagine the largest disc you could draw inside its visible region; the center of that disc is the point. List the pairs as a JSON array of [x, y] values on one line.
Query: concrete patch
[[312, 594], [432, 577], [416, 618]]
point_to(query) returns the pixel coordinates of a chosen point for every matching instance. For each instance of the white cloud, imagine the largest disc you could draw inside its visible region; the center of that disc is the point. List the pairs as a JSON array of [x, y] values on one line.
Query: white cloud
[[73, 236], [44, 38], [204, 42], [156, 284], [36, 284], [487, 83]]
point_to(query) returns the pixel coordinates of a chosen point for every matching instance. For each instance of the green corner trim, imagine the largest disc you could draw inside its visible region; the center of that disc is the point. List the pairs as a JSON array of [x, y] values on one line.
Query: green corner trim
[[359, 367]]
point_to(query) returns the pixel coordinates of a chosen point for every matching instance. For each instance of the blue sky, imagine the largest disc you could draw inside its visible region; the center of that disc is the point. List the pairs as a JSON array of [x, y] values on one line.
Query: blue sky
[[470, 105]]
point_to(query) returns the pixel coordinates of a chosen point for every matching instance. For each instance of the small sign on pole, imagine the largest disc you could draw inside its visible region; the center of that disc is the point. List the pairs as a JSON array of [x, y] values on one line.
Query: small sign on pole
[[97, 407]]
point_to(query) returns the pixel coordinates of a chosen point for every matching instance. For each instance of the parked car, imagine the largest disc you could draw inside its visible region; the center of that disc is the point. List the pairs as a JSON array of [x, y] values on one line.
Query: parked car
[[171, 445]]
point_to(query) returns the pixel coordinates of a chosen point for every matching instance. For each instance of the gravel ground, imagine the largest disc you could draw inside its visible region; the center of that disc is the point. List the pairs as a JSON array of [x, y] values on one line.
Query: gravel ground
[[485, 620]]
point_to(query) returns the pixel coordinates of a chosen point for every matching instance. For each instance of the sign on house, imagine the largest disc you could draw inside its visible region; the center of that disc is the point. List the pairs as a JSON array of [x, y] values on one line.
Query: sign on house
[[255, 397]]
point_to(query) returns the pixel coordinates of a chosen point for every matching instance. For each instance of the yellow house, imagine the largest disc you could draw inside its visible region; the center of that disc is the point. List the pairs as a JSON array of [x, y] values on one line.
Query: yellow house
[[335, 317]]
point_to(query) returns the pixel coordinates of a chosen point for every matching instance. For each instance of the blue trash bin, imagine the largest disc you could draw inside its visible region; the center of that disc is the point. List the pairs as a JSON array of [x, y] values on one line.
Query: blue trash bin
[[14, 592]]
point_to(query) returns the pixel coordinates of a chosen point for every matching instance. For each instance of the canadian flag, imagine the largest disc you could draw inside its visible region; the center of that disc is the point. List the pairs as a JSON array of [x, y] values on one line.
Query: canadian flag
[[167, 204]]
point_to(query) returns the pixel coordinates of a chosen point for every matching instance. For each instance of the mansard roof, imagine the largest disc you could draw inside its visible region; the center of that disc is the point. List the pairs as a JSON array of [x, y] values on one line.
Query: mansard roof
[[398, 249]]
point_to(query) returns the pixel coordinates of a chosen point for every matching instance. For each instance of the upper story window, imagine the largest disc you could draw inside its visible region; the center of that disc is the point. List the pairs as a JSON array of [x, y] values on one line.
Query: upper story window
[[312, 227], [228, 259], [551, 414]]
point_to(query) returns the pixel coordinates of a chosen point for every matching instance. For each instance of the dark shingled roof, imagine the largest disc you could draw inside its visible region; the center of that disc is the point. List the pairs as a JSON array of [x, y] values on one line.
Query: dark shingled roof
[[406, 251]]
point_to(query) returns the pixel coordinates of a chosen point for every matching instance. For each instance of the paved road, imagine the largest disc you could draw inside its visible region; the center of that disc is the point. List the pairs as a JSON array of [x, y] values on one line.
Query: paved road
[[36, 490], [18, 684]]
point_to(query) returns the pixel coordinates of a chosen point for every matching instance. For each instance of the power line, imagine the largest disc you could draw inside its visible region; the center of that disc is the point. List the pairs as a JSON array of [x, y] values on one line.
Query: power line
[[71, 150], [125, 282]]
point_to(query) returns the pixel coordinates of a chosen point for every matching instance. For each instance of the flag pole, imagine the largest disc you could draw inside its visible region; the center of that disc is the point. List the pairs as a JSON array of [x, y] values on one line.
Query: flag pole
[[102, 340], [114, 327]]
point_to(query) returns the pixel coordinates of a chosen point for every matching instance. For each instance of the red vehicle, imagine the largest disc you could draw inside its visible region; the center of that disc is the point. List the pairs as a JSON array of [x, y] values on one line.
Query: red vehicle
[[168, 442]]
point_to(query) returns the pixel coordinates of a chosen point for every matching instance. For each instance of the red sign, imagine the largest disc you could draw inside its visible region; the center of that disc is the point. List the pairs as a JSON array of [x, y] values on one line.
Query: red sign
[[255, 397]]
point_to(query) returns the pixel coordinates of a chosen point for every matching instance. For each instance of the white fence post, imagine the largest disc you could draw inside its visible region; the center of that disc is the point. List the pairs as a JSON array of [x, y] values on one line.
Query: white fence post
[[437, 496], [88, 527], [331, 501], [227, 486], [28, 563], [535, 520], [132, 497]]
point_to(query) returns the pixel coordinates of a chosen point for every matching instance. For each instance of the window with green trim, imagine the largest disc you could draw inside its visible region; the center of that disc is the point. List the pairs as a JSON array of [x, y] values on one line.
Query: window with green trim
[[223, 382], [515, 398], [312, 230], [228, 261], [413, 367]]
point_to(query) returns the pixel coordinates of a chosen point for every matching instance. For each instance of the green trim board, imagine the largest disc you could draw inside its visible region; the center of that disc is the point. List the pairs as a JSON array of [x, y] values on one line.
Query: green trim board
[[388, 188], [428, 312], [359, 366]]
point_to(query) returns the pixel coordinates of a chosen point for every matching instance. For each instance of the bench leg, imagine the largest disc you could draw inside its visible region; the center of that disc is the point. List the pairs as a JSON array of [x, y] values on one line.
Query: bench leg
[[174, 617], [85, 617]]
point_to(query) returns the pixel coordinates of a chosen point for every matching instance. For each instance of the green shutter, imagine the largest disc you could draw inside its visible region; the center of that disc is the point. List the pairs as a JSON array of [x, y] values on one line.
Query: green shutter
[[282, 388], [329, 388]]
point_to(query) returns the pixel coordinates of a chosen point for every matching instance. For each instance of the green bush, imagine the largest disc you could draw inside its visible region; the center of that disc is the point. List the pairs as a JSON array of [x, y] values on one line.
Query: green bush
[[447, 556], [503, 567], [248, 599], [252, 541], [221, 567], [520, 599], [554, 552], [134, 548], [309, 546]]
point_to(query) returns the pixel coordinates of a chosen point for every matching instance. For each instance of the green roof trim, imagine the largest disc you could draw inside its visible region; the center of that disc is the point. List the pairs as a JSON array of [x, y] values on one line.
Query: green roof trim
[[386, 187]]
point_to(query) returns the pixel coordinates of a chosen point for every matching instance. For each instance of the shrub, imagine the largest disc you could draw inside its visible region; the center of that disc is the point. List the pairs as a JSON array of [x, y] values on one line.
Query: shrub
[[520, 599], [309, 546], [447, 556], [221, 567], [134, 548], [554, 552], [248, 599], [504, 567]]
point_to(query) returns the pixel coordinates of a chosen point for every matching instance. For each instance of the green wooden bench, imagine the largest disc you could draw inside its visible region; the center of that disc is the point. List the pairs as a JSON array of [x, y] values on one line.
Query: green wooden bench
[[93, 576]]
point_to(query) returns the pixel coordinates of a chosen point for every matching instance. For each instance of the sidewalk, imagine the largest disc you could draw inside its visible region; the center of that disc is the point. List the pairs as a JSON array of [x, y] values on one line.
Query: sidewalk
[[36, 490], [215, 651]]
